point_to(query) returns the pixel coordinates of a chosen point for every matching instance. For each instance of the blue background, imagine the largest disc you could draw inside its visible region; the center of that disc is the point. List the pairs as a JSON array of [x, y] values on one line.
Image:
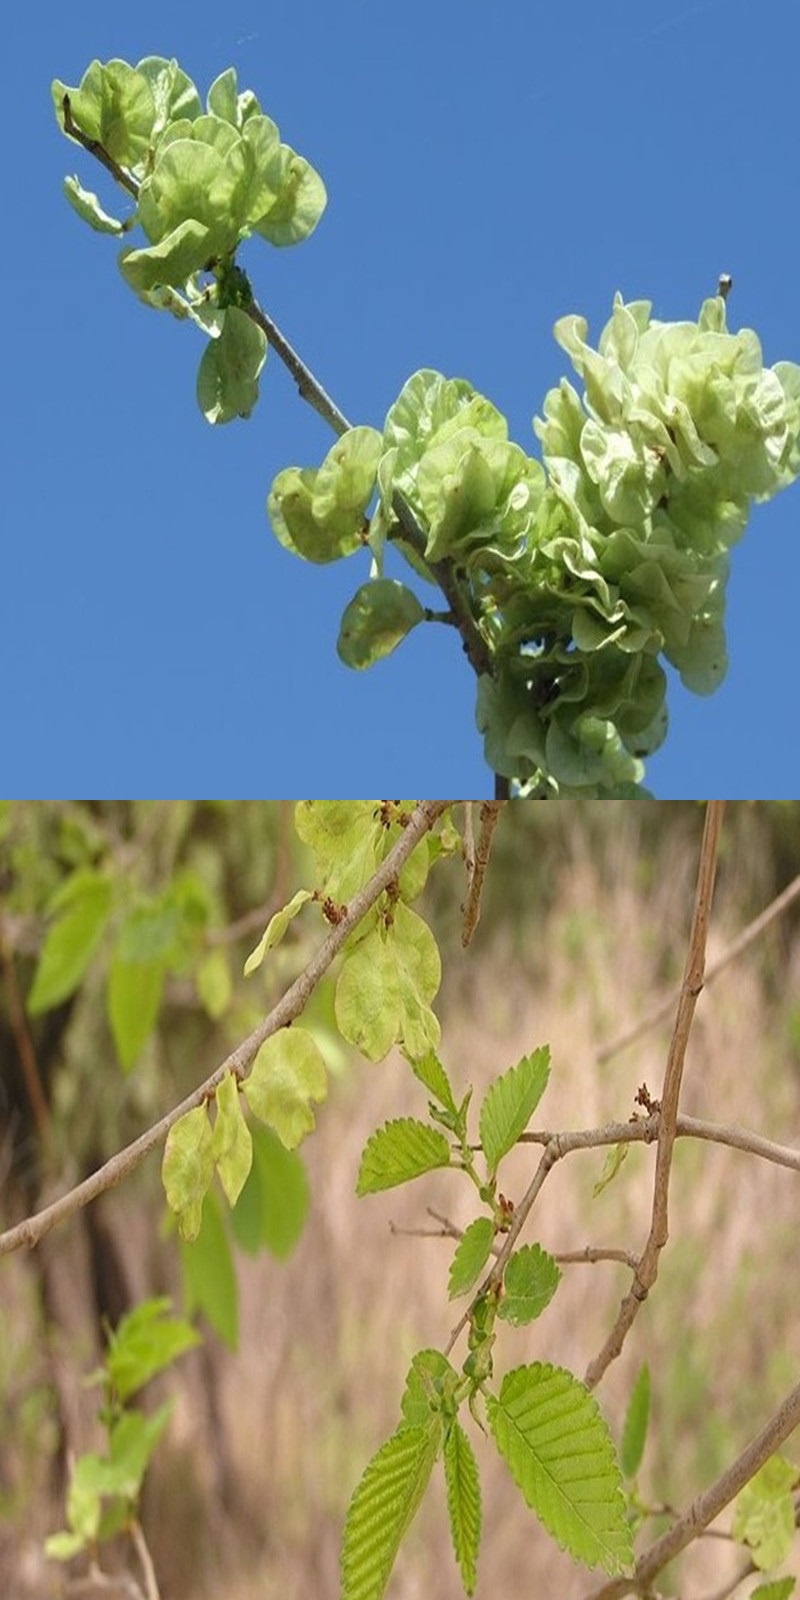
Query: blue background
[[489, 168]]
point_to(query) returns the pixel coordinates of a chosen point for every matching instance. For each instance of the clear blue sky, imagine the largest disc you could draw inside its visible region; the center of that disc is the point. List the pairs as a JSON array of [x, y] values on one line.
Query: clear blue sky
[[489, 168]]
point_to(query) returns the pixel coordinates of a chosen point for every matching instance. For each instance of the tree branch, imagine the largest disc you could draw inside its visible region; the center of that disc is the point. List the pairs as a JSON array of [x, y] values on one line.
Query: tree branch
[[490, 816], [747, 937], [96, 149], [29, 1232], [708, 1505], [647, 1271]]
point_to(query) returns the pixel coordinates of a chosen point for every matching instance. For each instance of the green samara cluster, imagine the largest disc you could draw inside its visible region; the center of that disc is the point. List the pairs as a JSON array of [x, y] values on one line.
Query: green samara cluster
[[202, 179], [584, 571], [573, 579]]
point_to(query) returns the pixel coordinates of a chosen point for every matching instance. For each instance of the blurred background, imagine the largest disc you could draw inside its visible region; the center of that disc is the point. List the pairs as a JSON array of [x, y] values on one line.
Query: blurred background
[[585, 920]]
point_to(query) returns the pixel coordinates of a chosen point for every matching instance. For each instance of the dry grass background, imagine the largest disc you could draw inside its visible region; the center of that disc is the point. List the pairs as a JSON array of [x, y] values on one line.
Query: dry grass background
[[594, 936]]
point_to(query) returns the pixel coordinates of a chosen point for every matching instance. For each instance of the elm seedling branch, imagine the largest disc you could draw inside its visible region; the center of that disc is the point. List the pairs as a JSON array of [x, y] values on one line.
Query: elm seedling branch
[[568, 579]]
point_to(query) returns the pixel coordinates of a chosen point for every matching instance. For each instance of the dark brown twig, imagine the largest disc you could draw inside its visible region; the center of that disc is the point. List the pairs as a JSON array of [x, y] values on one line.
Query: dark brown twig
[[96, 149], [490, 815]]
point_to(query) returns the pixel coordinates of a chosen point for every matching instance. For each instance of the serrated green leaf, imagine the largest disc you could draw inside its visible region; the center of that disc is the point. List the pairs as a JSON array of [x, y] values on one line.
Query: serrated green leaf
[[89, 209], [399, 1151], [208, 1276], [430, 1071], [614, 1157], [530, 1281], [376, 621], [273, 1205], [463, 1503], [637, 1417], [288, 1076], [430, 1387], [780, 1589], [144, 1342], [383, 1506], [227, 379], [471, 1256], [548, 1428], [275, 930], [83, 904], [214, 983], [764, 1517], [188, 1168], [133, 1000], [510, 1103], [232, 1146]]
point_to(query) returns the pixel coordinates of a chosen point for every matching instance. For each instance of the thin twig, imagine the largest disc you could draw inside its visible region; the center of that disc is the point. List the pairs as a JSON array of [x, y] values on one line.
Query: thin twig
[[490, 814], [644, 1130], [593, 1254], [309, 387], [145, 1561], [34, 1087], [709, 1504], [663, 1007], [29, 1232], [647, 1270], [96, 149]]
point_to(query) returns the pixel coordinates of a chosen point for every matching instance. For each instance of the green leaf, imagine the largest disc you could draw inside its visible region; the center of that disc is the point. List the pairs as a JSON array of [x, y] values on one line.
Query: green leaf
[[287, 1077], [383, 1506], [385, 988], [430, 1071], [133, 999], [227, 380], [209, 1280], [84, 902], [472, 1254], [530, 1281], [781, 1589], [132, 1440], [214, 983], [510, 1103], [764, 1517], [463, 1503], [548, 1428], [637, 1416], [144, 1342], [89, 209], [430, 1388], [273, 1205], [275, 930], [614, 1157], [149, 932], [399, 1151], [232, 1146], [63, 1546], [188, 1168]]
